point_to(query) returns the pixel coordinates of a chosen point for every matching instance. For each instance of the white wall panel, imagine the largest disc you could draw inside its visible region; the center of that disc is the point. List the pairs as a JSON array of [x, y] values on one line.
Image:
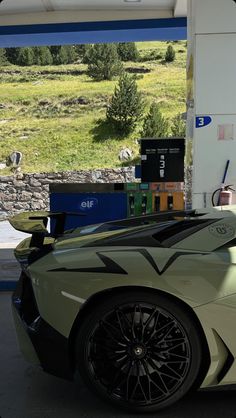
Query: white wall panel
[[215, 63], [210, 157], [215, 16]]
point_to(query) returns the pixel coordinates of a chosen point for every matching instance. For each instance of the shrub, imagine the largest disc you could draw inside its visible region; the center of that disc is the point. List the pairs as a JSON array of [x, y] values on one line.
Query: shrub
[[155, 125], [178, 128], [151, 56], [126, 105], [128, 51], [170, 54]]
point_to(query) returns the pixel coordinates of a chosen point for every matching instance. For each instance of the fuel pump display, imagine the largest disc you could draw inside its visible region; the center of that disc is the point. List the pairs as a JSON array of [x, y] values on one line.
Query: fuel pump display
[[162, 160]]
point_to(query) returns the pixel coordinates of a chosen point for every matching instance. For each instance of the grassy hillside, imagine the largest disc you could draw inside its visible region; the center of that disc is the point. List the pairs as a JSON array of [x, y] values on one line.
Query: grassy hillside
[[55, 115]]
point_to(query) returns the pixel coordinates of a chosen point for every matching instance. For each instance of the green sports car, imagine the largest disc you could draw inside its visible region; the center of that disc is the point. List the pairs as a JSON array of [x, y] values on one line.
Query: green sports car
[[144, 308]]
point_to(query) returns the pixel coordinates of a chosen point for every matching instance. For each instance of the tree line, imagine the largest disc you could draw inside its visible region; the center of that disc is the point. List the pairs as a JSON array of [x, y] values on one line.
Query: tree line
[[87, 54]]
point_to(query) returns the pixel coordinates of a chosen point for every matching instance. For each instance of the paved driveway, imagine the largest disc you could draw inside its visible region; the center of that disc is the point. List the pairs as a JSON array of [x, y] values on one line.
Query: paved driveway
[[27, 392]]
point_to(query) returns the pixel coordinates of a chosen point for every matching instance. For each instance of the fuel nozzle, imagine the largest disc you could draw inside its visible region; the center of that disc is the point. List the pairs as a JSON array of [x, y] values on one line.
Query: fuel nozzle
[[131, 204], [144, 204], [170, 202], [157, 203]]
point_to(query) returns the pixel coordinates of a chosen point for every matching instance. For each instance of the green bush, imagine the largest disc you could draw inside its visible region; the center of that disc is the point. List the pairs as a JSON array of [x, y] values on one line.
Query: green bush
[[150, 56], [103, 62], [178, 128], [128, 51], [155, 125], [170, 54], [126, 105]]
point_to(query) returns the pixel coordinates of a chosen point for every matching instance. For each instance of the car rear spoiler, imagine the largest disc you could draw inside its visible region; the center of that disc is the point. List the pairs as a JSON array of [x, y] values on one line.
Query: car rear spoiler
[[36, 223]]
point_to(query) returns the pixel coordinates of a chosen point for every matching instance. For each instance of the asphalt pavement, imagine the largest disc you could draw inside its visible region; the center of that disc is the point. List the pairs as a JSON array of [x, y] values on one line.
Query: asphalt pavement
[[28, 392], [9, 268]]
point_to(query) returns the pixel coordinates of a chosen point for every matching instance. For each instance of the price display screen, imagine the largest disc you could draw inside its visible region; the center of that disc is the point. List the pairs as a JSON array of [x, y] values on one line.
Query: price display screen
[[162, 160]]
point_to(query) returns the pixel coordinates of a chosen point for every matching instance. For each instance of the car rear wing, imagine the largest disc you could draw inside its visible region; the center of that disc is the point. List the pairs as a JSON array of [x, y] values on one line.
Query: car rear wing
[[36, 223]]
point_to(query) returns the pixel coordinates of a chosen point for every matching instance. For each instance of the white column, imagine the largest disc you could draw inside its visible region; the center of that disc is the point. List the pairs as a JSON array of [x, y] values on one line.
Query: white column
[[212, 95]]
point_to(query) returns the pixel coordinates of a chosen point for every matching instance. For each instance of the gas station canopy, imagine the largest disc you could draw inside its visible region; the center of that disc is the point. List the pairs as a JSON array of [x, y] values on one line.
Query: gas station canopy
[[48, 22]]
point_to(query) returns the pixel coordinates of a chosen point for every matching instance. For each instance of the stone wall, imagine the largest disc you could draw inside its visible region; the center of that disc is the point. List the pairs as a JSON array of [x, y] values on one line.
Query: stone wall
[[188, 187], [25, 192]]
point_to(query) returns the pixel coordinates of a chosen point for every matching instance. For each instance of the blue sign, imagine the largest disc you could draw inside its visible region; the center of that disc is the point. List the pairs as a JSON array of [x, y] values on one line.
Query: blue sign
[[202, 121], [88, 204], [98, 207]]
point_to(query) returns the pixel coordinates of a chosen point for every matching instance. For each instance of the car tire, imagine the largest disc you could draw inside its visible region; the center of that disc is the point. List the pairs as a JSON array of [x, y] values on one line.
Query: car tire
[[139, 350]]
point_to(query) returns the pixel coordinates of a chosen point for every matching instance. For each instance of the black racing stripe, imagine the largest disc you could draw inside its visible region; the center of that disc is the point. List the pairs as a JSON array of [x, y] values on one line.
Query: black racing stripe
[[151, 261], [110, 267]]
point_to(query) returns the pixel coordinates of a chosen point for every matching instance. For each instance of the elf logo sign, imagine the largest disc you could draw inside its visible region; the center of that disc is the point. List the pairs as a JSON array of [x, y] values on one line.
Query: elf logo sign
[[88, 204]]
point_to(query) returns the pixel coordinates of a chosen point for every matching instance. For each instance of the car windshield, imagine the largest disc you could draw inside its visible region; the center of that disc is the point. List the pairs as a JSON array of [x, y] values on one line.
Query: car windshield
[[94, 229]]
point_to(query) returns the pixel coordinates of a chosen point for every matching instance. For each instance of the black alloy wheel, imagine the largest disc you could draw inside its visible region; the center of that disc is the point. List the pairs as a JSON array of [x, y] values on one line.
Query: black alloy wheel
[[140, 351]]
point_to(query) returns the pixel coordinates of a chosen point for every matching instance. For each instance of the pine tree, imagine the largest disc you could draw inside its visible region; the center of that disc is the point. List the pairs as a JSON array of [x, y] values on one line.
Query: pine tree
[[12, 54], [128, 51], [170, 54], [3, 58], [81, 51], [61, 57], [126, 105], [154, 126], [103, 62], [25, 57], [71, 54], [54, 49], [178, 128], [42, 55]]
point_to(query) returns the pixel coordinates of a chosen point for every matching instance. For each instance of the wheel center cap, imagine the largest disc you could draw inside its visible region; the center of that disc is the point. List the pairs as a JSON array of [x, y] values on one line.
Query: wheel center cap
[[139, 351]]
